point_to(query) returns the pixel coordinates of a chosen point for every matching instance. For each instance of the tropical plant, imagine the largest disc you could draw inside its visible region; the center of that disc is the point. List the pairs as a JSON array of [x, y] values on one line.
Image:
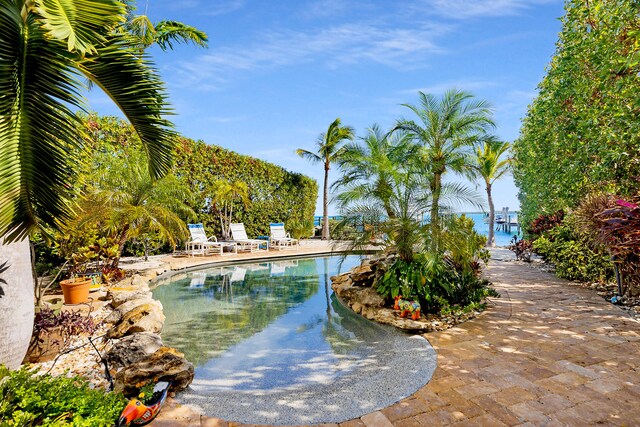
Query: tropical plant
[[30, 400], [163, 33], [329, 151], [368, 166], [488, 163], [446, 127], [126, 203], [47, 52], [224, 195], [620, 230]]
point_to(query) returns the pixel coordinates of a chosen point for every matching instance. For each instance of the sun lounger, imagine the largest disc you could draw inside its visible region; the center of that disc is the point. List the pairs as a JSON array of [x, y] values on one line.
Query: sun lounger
[[200, 244], [280, 239], [243, 243]]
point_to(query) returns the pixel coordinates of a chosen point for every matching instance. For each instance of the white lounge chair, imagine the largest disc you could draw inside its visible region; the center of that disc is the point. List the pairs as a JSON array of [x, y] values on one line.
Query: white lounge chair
[[280, 239], [243, 243], [200, 244]]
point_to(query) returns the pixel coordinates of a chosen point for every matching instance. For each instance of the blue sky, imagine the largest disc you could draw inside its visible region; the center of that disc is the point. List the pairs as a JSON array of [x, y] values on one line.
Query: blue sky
[[277, 73]]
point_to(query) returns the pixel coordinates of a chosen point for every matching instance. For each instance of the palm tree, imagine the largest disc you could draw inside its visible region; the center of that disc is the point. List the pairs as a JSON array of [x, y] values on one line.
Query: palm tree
[[127, 203], [47, 50], [224, 194], [164, 33], [329, 151], [445, 128], [487, 162], [369, 165]]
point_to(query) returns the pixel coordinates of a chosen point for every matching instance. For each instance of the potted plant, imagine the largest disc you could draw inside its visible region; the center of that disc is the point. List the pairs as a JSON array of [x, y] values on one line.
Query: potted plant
[[76, 290]]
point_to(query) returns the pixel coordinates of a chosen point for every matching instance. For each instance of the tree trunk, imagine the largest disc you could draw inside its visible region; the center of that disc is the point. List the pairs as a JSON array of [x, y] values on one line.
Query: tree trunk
[[17, 303], [122, 241], [491, 240], [325, 205], [436, 188]]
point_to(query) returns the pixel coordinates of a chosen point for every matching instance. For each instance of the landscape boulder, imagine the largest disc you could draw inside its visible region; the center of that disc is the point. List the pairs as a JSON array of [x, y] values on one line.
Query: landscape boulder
[[132, 349], [128, 289], [165, 364], [116, 315], [147, 317]]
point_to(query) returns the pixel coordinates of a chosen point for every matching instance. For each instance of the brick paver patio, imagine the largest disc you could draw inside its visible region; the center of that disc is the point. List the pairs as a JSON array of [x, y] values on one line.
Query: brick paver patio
[[548, 353]]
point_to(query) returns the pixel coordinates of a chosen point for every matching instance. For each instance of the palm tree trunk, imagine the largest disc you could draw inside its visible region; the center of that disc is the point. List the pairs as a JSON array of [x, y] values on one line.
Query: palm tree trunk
[[436, 188], [17, 303], [121, 242], [325, 205], [491, 240]]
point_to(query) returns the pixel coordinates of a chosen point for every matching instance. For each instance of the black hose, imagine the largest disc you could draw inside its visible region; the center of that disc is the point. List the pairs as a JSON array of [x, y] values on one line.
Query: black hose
[[106, 365]]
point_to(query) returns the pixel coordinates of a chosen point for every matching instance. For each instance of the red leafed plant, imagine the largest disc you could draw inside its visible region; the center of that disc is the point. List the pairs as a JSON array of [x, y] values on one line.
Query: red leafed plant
[[546, 222], [620, 231]]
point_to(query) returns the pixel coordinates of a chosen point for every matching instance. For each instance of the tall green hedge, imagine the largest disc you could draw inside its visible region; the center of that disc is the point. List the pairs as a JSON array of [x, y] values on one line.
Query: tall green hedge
[[582, 132], [276, 194]]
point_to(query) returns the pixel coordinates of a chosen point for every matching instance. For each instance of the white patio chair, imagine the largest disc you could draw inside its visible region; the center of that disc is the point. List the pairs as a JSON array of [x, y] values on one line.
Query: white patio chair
[[280, 239], [200, 244], [243, 243]]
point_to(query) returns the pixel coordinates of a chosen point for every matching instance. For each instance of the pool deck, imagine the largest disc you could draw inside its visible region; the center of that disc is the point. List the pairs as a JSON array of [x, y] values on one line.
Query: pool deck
[[547, 353], [176, 263]]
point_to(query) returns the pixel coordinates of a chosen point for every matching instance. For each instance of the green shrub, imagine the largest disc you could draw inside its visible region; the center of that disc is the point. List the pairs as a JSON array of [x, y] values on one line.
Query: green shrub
[[27, 400], [572, 257]]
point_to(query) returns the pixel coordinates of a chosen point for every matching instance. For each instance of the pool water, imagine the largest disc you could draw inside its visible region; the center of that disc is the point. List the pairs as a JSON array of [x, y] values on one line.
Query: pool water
[[271, 344]]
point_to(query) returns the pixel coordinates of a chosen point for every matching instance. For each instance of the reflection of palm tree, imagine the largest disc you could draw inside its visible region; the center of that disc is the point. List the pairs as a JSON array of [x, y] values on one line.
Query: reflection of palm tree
[[326, 289]]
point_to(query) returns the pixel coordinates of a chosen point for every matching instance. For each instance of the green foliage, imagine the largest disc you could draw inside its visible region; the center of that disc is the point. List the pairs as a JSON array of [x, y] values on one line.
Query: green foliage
[[48, 50], [582, 132], [573, 258], [28, 400], [438, 281], [275, 195]]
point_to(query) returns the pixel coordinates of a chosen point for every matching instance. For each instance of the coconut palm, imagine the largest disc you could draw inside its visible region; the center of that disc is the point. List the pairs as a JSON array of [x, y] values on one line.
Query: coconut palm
[[488, 163], [329, 151], [224, 195], [445, 128], [163, 33], [47, 50]]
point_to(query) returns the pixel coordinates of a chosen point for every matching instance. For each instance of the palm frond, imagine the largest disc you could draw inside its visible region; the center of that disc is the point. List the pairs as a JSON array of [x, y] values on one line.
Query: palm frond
[[81, 24], [38, 86], [169, 32], [132, 83]]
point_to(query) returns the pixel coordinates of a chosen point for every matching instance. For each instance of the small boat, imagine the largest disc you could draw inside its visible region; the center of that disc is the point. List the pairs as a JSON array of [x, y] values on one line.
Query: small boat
[[137, 413]]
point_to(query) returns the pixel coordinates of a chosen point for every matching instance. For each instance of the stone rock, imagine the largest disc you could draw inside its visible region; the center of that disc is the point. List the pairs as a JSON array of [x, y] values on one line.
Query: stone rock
[[132, 349], [361, 276], [341, 278], [135, 288], [116, 315], [357, 307], [165, 364], [143, 318]]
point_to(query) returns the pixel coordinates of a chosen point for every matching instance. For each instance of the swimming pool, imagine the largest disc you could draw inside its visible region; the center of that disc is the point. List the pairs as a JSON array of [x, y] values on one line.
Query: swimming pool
[[272, 345]]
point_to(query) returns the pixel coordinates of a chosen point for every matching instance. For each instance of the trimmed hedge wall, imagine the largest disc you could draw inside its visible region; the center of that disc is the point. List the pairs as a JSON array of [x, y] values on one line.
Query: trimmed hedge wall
[[582, 132], [276, 194]]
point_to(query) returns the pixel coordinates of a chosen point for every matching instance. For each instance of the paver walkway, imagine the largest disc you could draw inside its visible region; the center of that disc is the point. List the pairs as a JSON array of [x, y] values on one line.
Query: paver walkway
[[548, 353]]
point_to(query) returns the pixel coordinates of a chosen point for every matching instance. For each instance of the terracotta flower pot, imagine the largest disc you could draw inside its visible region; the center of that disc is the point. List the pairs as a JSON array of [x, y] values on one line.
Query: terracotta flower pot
[[76, 291]]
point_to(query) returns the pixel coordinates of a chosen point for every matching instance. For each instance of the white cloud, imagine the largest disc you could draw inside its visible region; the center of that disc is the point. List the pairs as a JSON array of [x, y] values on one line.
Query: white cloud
[[464, 9], [331, 47]]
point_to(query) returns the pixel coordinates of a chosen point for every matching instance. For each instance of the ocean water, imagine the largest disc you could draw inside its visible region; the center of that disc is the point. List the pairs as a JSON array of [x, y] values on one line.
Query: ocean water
[[502, 238]]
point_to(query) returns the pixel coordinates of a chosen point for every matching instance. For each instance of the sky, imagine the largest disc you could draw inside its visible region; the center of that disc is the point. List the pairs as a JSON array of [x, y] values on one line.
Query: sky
[[277, 73]]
